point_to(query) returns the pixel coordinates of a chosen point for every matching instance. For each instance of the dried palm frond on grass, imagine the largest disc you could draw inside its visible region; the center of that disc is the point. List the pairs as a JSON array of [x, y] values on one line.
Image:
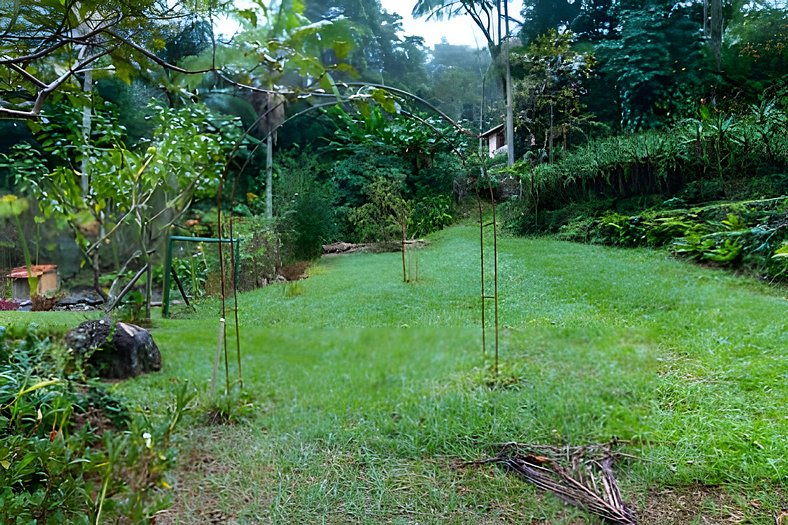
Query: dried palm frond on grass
[[580, 476]]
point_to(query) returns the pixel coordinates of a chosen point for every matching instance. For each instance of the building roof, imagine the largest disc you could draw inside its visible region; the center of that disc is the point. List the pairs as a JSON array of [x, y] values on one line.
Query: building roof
[[493, 131], [37, 271]]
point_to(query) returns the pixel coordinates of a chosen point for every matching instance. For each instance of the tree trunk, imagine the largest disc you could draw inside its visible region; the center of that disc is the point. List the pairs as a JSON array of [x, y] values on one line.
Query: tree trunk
[[87, 88], [148, 290], [706, 18], [716, 32], [509, 103], [551, 132], [269, 176]]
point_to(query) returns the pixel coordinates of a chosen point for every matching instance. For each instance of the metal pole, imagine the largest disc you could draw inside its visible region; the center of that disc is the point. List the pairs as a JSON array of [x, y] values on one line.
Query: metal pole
[[236, 273], [237, 265], [481, 256], [495, 276], [165, 300], [507, 79], [165, 297], [179, 284], [217, 355], [269, 178], [404, 269]]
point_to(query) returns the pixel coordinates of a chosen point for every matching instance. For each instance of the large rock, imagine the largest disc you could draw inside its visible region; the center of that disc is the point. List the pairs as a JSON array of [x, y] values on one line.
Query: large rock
[[115, 350]]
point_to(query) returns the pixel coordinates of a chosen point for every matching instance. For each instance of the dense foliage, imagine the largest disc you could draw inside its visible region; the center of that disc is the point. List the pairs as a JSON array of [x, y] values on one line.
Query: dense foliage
[[70, 451], [751, 235], [713, 156]]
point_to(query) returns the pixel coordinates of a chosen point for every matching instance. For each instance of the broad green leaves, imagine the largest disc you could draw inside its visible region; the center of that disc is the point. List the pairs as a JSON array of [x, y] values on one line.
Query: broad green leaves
[[184, 158], [12, 206]]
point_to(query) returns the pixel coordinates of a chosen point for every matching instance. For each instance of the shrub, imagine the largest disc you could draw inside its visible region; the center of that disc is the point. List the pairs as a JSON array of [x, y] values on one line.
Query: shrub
[[305, 207], [431, 214], [384, 216], [8, 305], [308, 225], [260, 252], [132, 308], [70, 452], [746, 234]]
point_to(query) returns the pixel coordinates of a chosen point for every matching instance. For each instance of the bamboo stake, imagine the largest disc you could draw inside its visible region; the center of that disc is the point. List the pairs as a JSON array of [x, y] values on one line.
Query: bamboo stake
[[217, 355]]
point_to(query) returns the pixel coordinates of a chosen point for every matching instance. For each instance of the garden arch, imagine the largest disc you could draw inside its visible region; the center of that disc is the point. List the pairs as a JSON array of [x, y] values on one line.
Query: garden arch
[[338, 99]]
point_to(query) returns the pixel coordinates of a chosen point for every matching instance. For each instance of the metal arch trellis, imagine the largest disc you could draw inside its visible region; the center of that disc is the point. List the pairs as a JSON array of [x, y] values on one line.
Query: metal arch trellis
[[338, 100], [169, 272]]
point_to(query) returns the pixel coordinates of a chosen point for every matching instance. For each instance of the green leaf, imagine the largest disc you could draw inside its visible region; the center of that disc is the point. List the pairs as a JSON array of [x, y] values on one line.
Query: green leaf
[[249, 15], [12, 206], [781, 252], [124, 70], [364, 108], [342, 48], [385, 100]]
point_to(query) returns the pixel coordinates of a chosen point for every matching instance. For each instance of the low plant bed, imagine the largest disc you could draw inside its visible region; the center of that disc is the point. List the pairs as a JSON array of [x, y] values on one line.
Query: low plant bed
[[71, 451]]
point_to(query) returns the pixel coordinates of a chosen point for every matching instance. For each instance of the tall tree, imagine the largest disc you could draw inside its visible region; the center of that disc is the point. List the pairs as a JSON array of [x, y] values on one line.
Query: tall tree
[[715, 28], [549, 95], [656, 63], [754, 54], [458, 78], [493, 20], [540, 16], [380, 54], [589, 20]]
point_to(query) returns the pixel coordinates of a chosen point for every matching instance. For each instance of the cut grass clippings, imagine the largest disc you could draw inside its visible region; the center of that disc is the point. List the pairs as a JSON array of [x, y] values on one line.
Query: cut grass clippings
[[367, 391]]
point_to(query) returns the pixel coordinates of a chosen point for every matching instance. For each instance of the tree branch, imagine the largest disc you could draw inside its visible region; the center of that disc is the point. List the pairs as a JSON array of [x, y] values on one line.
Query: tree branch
[[28, 76], [44, 93], [80, 40], [160, 61]]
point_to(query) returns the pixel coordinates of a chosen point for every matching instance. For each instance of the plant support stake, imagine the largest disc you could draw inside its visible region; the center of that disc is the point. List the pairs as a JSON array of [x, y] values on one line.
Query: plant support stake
[[217, 356], [484, 296]]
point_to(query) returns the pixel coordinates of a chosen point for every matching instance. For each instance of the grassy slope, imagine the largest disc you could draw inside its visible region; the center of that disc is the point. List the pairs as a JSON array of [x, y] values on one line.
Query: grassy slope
[[366, 390]]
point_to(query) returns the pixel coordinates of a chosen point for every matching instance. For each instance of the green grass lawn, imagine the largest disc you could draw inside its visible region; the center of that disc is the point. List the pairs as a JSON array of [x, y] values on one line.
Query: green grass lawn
[[368, 393]]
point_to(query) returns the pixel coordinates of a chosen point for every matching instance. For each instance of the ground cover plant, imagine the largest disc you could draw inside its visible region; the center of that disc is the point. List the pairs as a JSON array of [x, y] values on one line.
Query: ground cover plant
[[748, 235], [365, 395], [72, 451]]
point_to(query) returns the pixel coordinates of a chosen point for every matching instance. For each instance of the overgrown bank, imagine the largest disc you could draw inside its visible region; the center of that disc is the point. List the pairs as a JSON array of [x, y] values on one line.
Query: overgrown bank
[[711, 188]]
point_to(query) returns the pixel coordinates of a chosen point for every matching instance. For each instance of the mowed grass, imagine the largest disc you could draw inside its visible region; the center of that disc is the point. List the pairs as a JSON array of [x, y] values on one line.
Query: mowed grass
[[367, 394]]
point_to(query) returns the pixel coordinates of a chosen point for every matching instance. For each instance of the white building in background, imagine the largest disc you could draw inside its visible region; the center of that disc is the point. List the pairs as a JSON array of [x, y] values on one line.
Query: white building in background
[[495, 138]]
